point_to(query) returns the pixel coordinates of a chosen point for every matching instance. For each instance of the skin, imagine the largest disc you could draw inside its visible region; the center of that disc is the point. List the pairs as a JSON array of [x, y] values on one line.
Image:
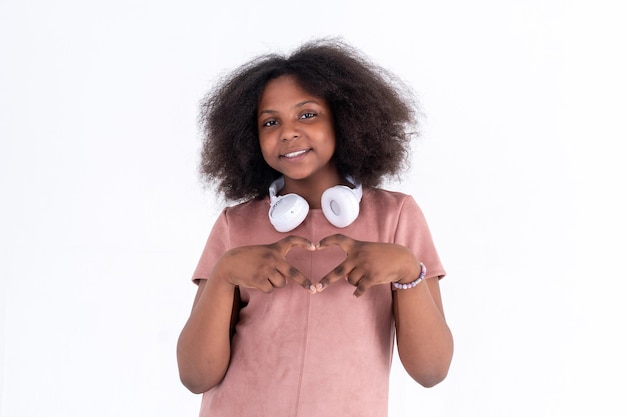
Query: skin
[[424, 340], [297, 139]]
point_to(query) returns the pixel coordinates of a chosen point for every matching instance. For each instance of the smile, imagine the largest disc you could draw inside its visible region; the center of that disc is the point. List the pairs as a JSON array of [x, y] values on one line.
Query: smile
[[295, 154]]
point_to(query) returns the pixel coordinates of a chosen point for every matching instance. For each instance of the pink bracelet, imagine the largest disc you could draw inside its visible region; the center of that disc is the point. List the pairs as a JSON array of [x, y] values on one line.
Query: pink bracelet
[[399, 286]]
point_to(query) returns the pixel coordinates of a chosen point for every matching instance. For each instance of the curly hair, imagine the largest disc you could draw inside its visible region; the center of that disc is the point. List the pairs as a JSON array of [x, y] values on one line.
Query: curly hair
[[374, 115]]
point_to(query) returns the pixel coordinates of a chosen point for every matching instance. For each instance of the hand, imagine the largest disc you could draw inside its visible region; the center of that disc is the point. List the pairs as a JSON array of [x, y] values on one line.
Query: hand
[[368, 264], [263, 266]]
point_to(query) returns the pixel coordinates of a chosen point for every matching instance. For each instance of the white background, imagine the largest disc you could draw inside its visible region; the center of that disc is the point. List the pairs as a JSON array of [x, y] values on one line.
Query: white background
[[519, 171]]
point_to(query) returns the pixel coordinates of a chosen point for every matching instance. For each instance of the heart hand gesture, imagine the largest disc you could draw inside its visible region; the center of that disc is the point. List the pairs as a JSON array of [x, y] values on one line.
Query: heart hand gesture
[[369, 263]]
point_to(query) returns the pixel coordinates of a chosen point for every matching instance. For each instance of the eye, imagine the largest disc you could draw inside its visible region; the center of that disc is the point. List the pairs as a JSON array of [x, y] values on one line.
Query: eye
[[308, 115], [269, 123]]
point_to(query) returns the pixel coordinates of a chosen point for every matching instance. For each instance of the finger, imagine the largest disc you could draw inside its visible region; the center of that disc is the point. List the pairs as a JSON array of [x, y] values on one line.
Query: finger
[[277, 279], [362, 284], [343, 241], [265, 285], [292, 241], [289, 271], [359, 291], [355, 276], [340, 271]]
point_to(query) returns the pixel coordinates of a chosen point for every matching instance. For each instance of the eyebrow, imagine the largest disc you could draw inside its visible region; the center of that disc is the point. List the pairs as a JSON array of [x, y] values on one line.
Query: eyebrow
[[300, 104]]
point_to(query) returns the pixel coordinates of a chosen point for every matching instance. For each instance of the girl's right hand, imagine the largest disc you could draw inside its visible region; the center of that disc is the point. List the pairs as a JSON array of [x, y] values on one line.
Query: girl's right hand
[[263, 267]]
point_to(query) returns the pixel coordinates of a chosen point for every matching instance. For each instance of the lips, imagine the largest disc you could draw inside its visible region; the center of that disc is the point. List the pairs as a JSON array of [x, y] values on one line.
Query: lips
[[295, 154]]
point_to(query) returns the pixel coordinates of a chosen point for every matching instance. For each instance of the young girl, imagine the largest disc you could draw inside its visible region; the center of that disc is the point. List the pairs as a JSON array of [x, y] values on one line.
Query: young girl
[[302, 287]]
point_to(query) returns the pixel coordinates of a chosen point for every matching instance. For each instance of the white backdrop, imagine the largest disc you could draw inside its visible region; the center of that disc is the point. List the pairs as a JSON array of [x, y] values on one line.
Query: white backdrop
[[518, 171]]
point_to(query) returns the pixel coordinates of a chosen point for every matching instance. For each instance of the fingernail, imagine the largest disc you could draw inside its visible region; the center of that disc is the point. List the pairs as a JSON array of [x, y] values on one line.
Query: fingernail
[[320, 287], [312, 289]]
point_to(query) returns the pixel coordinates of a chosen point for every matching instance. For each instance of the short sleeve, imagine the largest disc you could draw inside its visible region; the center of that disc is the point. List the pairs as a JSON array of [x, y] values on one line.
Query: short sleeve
[[413, 232], [217, 244]]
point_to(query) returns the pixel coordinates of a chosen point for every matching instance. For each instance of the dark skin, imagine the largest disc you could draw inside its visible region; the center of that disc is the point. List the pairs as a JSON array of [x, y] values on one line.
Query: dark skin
[[204, 344], [424, 340], [425, 343], [297, 139], [265, 267], [367, 264]]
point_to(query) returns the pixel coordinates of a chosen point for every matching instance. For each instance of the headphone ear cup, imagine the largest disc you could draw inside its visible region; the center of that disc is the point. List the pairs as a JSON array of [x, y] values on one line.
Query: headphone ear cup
[[340, 205], [287, 212]]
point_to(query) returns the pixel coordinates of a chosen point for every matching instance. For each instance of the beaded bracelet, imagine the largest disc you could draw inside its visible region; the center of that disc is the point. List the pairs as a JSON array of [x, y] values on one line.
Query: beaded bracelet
[[399, 286]]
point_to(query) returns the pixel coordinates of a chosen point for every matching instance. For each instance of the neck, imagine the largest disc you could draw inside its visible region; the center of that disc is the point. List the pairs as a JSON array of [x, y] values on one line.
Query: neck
[[312, 188]]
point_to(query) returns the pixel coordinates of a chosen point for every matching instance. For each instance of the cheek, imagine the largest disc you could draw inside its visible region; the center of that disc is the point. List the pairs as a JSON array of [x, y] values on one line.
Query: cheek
[[264, 144], [266, 150], [332, 143]]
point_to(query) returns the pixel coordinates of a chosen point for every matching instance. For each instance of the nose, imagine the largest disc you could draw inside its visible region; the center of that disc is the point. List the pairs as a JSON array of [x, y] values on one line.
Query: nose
[[290, 131]]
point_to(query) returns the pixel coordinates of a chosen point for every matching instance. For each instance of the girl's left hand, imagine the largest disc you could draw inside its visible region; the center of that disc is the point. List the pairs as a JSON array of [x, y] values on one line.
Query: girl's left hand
[[369, 263]]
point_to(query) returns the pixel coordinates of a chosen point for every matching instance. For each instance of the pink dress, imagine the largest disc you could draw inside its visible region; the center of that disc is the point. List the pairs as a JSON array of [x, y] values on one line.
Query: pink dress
[[296, 354]]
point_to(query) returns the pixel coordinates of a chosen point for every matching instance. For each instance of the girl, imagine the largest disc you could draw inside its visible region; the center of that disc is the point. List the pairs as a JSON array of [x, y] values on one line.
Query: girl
[[302, 286]]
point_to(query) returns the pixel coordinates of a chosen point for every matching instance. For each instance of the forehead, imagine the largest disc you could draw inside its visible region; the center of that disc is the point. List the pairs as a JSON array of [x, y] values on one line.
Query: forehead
[[285, 91]]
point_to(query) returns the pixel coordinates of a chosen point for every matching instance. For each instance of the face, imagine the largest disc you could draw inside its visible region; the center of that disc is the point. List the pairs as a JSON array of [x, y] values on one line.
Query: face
[[296, 132]]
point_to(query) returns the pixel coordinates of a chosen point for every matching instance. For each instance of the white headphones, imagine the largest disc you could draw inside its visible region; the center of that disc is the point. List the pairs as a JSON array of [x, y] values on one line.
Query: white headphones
[[340, 205]]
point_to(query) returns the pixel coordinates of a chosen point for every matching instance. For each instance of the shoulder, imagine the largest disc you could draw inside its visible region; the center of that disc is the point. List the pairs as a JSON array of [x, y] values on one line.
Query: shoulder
[[248, 208], [393, 206], [385, 199], [248, 221], [241, 214]]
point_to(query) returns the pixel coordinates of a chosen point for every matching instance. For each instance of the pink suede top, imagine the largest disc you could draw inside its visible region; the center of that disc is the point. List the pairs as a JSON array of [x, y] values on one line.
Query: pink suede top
[[296, 354]]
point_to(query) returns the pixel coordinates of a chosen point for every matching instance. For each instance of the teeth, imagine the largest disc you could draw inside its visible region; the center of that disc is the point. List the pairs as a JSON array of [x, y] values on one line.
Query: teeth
[[294, 154]]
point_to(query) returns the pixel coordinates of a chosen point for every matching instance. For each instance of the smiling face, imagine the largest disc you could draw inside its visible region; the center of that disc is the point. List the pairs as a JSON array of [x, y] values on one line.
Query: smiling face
[[296, 133]]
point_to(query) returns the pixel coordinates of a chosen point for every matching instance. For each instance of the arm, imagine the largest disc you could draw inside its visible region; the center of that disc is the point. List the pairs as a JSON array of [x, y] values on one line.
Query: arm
[[203, 349], [424, 340]]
